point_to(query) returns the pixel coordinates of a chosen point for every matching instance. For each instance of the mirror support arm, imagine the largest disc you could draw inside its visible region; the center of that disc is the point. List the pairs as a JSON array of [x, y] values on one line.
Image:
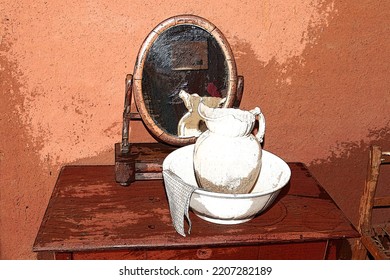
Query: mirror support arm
[[125, 148], [240, 90]]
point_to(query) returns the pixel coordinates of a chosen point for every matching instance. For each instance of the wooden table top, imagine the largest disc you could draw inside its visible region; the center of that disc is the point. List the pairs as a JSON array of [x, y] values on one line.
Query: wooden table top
[[88, 210]]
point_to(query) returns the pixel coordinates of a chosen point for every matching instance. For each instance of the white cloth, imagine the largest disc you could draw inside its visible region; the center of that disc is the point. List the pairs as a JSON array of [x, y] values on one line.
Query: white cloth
[[179, 195]]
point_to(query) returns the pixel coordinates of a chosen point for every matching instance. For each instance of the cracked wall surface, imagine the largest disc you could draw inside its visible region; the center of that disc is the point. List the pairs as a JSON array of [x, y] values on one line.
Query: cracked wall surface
[[317, 68]]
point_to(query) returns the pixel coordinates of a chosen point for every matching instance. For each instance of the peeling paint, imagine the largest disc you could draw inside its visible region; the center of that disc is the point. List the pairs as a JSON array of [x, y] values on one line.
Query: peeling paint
[[282, 31], [25, 181]]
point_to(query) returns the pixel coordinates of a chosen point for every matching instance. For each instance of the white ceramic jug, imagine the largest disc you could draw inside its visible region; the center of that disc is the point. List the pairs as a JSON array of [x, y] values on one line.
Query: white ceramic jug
[[227, 157]]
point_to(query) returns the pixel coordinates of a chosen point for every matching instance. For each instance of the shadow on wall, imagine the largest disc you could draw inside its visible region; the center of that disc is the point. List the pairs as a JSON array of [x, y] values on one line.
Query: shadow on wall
[[326, 106], [344, 173]]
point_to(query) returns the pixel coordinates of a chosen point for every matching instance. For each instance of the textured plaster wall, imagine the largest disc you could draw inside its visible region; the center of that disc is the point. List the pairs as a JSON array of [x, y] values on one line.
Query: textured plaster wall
[[319, 69]]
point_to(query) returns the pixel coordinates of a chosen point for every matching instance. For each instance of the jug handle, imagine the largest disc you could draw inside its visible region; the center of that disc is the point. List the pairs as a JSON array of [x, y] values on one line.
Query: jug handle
[[261, 131]]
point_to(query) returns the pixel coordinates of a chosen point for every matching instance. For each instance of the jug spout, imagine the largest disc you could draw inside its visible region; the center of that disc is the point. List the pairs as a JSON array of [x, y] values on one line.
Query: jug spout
[[205, 112]]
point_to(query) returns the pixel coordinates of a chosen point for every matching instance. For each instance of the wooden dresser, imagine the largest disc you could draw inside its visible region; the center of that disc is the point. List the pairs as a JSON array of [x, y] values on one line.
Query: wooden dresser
[[90, 216]]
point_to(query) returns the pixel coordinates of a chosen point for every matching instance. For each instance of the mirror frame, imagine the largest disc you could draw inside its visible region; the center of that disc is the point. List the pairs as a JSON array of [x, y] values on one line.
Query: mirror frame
[[151, 125]]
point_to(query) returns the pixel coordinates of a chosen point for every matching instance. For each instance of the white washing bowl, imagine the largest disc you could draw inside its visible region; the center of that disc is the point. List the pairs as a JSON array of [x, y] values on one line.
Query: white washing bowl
[[224, 208]]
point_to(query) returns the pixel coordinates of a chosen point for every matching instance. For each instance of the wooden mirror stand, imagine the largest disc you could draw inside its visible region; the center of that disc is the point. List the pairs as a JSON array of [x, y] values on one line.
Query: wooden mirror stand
[[182, 53]]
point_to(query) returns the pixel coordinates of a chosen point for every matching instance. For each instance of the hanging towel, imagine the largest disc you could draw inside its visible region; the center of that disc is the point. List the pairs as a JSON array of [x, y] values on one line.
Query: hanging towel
[[179, 196]]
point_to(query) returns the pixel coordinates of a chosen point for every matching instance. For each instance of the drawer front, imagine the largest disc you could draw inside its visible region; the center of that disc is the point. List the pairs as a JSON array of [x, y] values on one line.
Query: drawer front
[[287, 251]]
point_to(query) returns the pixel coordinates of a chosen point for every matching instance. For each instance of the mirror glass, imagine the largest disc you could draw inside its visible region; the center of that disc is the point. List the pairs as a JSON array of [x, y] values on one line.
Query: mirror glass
[[178, 66]]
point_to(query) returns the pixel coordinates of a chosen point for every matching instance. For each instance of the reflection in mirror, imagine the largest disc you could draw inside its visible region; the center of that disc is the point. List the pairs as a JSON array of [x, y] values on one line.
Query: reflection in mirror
[[192, 124], [183, 57]]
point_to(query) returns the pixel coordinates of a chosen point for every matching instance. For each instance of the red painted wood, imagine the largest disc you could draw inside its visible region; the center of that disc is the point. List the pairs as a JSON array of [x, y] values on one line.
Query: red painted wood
[[290, 251], [63, 256], [89, 211]]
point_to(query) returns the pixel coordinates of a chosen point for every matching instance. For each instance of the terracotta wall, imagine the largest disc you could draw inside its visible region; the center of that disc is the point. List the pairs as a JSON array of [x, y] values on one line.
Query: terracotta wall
[[319, 69]]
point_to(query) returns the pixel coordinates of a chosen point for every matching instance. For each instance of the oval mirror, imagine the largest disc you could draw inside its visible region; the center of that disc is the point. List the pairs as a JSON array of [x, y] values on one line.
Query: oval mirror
[[184, 59]]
